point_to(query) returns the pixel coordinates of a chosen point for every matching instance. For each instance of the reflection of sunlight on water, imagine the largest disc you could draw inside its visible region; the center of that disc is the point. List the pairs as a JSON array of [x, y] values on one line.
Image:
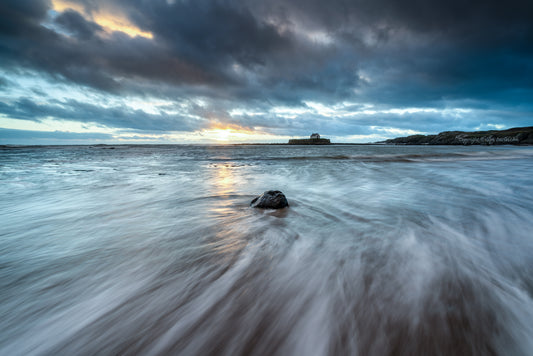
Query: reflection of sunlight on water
[[224, 179], [228, 232], [223, 185]]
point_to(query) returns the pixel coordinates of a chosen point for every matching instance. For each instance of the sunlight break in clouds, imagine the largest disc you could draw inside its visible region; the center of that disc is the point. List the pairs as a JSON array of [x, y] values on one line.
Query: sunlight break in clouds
[[111, 21]]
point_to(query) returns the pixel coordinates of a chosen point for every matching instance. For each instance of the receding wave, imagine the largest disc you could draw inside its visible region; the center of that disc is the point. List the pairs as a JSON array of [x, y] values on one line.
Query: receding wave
[[431, 157], [156, 251]]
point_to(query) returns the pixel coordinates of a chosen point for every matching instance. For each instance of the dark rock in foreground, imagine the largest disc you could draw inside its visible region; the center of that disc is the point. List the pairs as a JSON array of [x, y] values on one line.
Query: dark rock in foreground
[[272, 199], [514, 136]]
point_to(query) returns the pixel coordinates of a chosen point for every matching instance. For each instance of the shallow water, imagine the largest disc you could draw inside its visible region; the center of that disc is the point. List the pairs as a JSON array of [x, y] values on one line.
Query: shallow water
[[153, 250]]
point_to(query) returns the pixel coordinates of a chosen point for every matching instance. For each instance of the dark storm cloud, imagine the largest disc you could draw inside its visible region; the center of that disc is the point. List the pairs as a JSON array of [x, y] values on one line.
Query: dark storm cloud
[[84, 58], [466, 20], [217, 44], [72, 21], [21, 17], [211, 32], [421, 53], [256, 54]]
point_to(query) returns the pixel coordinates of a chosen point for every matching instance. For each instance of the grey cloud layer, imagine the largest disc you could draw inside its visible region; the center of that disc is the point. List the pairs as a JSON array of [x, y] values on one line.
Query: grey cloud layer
[[28, 136], [260, 54], [115, 116]]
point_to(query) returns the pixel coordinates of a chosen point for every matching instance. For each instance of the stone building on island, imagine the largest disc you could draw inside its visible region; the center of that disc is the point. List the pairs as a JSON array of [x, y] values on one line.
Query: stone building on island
[[314, 139]]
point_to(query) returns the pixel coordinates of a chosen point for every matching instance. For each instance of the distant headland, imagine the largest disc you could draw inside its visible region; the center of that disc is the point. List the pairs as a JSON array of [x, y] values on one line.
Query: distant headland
[[314, 139], [514, 136]]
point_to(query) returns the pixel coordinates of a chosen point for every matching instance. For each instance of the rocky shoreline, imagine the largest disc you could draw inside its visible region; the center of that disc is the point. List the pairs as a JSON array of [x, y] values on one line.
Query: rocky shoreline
[[514, 136]]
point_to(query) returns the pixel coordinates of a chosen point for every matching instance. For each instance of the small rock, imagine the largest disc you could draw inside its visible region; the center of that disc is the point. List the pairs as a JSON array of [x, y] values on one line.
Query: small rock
[[272, 199]]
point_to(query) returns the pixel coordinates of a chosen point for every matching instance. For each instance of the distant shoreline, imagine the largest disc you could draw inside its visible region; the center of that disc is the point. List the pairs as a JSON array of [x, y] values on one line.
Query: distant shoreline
[[288, 144], [111, 145], [123, 145], [518, 136], [522, 136]]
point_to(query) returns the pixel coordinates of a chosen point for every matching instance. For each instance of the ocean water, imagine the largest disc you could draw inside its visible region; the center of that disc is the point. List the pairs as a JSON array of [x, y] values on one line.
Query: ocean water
[[154, 250]]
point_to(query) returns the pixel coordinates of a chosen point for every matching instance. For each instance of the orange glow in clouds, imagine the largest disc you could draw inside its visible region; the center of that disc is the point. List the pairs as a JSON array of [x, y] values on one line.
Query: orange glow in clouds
[[228, 133], [109, 19], [234, 133]]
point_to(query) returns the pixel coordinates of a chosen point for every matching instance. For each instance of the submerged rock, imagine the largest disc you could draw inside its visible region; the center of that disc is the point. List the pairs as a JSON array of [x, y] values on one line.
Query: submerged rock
[[272, 199]]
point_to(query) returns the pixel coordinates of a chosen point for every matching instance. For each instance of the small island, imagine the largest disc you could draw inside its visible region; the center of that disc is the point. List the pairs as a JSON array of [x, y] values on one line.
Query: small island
[[314, 139], [514, 136]]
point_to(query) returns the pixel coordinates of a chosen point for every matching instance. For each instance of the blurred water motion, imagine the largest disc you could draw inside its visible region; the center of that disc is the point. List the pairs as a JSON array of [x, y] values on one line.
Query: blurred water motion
[[154, 250]]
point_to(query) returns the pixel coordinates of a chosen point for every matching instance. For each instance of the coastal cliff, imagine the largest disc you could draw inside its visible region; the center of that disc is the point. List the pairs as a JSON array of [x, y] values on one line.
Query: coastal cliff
[[514, 136]]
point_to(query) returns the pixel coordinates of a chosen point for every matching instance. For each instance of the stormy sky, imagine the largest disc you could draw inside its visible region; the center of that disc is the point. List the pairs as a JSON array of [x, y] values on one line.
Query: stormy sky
[[175, 71]]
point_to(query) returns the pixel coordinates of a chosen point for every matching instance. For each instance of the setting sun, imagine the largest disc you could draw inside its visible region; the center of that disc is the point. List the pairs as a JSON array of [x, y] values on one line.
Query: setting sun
[[238, 134], [229, 133]]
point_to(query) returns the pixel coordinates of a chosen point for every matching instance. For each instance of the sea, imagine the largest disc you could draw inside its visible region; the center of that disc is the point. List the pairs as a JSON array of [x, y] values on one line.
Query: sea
[[155, 250]]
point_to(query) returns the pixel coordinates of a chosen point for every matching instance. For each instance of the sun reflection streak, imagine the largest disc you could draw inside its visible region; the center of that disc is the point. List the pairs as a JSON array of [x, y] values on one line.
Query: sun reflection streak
[[224, 179], [224, 207]]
